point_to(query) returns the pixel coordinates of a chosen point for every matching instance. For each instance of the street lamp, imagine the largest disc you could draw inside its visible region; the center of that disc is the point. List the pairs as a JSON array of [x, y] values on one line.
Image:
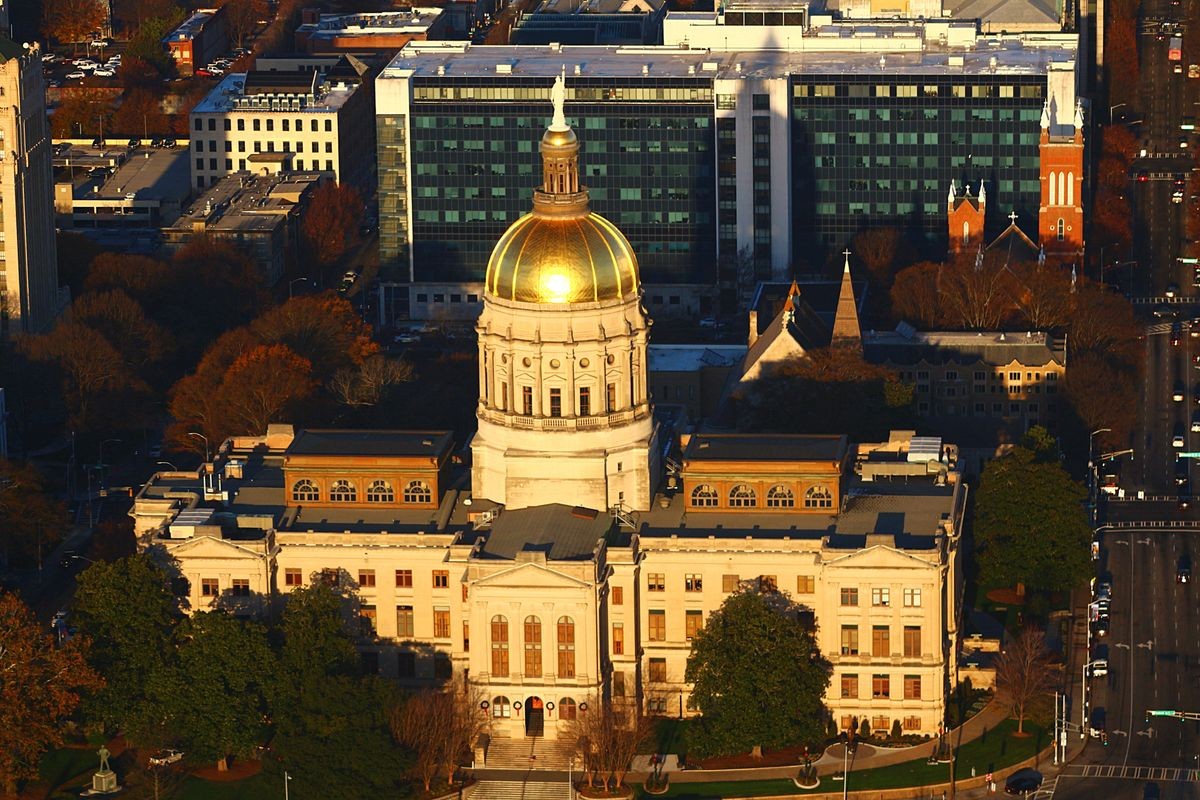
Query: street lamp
[[286, 780], [102, 465], [1111, 109], [205, 438], [1091, 439], [167, 464], [292, 283]]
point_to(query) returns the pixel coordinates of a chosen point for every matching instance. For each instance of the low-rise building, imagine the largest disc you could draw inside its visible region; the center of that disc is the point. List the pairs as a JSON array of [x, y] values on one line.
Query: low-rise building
[[198, 40], [692, 375], [259, 212], [369, 33], [322, 120], [594, 22], [121, 195]]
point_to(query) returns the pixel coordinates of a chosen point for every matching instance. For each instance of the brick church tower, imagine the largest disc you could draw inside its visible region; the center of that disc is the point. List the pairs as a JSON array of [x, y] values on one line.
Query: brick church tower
[[1060, 218], [965, 217]]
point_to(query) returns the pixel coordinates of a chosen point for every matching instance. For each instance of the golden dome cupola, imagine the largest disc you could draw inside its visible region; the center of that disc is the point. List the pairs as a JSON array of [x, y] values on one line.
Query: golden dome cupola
[[561, 252]]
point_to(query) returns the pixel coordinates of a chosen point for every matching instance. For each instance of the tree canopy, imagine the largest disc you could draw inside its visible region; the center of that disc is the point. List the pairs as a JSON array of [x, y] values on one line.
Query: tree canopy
[[31, 520], [758, 676], [1030, 526]]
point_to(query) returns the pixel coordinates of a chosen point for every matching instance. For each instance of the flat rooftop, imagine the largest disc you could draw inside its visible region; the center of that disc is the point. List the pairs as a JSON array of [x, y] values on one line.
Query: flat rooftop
[[371, 443], [764, 447], [414, 20], [147, 174], [693, 357], [191, 26], [242, 201], [230, 95], [907, 346], [1030, 54]]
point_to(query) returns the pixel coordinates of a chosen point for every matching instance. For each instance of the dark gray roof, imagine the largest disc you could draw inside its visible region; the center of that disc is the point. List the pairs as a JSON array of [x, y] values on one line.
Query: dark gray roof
[[371, 443], [298, 82], [765, 447], [964, 348], [561, 532], [820, 295]]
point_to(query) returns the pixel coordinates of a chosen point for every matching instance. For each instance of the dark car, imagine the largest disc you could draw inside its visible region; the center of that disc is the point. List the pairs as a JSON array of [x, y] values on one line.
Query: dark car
[[97, 142], [1100, 626], [1183, 572], [135, 143], [1023, 781], [1150, 791]]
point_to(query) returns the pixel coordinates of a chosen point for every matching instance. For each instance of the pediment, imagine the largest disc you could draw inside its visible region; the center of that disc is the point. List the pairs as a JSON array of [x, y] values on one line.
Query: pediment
[[529, 576], [200, 547], [880, 557]]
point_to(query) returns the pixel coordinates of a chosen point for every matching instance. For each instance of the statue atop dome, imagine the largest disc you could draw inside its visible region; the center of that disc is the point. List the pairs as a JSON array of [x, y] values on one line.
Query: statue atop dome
[[558, 99]]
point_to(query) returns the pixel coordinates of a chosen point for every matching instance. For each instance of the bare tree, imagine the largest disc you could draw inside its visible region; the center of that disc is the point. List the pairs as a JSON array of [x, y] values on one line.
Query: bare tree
[[610, 738], [365, 384], [464, 725], [1025, 673], [440, 727]]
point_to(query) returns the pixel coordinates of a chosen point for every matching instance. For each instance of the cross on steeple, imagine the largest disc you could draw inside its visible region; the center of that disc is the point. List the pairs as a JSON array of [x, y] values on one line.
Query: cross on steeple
[[1013, 218], [846, 252]]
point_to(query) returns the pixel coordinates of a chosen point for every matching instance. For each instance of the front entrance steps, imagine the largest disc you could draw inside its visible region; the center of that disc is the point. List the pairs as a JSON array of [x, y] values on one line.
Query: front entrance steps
[[521, 790], [530, 753]]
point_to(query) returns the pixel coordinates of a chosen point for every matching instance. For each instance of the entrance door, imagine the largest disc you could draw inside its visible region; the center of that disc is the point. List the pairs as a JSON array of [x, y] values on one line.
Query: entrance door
[[535, 717]]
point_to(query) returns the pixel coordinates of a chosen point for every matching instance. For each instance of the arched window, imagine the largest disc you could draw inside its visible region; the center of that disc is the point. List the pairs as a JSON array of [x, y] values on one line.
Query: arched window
[[343, 491], [1061, 231], [501, 708], [417, 492], [818, 497], [1053, 187], [533, 647], [566, 647], [1070, 188], [966, 233], [381, 492], [705, 496], [500, 646], [305, 491], [742, 496], [780, 496], [567, 709], [1062, 187]]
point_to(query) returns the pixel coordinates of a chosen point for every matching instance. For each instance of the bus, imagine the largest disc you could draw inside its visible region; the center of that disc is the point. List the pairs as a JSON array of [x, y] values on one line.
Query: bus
[[1175, 51]]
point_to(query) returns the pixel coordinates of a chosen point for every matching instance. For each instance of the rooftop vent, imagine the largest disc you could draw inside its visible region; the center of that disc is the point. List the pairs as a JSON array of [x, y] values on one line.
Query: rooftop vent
[[709, 66], [578, 70], [504, 69]]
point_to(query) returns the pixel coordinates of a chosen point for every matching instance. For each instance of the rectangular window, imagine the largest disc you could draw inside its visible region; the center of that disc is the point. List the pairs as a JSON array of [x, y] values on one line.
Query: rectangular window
[[527, 400], [912, 723], [441, 623], [658, 626], [912, 641], [729, 584], [209, 587], [618, 638], [611, 397], [585, 401], [293, 577], [881, 597], [618, 595], [849, 596], [881, 686], [366, 579], [556, 402], [693, 582], [241, 587], [404, 622], [466, 636], [693, 621], [441, 579], [404, 578], [850, 687], [656, 582], [407, 665], [805, 584], [618, 684], [912, 687], [849, 640], [768, 583], [367, 620], [658, 670], [881, 644]]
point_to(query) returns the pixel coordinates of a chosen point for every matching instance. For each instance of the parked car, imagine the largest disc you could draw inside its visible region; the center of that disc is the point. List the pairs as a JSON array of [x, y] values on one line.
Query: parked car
[[97, 142], [76, 75], [163, 757], [49, 58], [1183, 570], [1172, 289], [104, 72], [135, 143], [168, 143], [1098, 667]]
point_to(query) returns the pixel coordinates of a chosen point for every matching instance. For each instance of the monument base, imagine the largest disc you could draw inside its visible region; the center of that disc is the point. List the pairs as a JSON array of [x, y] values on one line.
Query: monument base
[[103, 782]]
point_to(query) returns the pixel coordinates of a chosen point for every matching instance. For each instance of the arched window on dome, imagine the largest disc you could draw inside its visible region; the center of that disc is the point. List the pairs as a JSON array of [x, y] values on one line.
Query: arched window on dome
[[381, 491], [417, 492], [343, 491], [705, 496], [818, 497], [780, 496], [305, 491], [742, 496]]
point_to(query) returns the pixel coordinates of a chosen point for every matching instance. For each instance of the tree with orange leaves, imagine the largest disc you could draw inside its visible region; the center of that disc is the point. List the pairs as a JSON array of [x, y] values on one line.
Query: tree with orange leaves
[[262, 386], [40, 687], [323, 328], [914, 295], [71, 21], [330, 225]]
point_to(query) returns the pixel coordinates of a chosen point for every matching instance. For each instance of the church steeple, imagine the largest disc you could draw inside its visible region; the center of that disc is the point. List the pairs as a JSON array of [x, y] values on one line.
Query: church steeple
[[846, 330]]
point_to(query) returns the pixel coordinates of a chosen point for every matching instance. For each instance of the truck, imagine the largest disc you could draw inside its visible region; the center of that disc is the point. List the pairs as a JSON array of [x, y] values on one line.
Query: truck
[[1175, 50]]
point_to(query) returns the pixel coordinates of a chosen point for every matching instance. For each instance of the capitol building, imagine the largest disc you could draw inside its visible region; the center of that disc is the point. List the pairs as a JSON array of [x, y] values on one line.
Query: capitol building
[[568, 553]]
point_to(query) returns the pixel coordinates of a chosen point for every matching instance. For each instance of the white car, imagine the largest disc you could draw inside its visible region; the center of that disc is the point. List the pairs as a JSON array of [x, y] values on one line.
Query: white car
[[104, 72], [164, 757], [100, 42], [49, 58], [88, 66], [79, 62], [75, 76], [1177, 441]]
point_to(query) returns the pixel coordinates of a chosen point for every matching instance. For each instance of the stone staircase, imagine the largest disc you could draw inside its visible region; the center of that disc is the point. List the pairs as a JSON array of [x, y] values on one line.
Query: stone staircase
[[521, 790], [532, 753]]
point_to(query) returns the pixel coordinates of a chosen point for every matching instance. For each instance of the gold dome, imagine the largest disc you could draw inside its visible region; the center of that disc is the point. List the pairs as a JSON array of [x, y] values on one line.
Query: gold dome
[[556, 259]]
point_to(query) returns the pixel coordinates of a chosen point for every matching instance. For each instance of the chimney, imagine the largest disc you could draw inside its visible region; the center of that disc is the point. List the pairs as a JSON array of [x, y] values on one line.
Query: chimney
[[753, 336]]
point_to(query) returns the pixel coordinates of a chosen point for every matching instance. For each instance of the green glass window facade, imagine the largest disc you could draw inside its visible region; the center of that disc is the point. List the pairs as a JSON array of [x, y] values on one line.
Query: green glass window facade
[[876, 150], [646, 156]]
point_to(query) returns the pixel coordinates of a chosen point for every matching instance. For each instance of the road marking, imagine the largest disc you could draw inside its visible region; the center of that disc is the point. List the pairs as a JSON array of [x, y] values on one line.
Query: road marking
[[1129, 773]]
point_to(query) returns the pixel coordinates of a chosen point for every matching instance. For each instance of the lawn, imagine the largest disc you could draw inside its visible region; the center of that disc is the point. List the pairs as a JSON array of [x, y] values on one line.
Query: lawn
[[252, 788], [993, 751]]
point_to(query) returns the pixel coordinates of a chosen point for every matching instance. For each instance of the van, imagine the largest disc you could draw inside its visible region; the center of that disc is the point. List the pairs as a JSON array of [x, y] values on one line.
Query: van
[[1099, 663]]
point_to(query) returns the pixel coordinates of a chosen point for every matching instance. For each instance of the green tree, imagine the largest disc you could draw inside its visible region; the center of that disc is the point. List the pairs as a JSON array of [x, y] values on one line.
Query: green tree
[[127, 608], [317, 639], [758, 676], [40, 687], [1030, 526], [31, 520], [215, 698]]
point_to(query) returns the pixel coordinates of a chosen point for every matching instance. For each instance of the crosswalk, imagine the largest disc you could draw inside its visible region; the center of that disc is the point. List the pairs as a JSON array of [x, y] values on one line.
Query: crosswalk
[[1130, 773]]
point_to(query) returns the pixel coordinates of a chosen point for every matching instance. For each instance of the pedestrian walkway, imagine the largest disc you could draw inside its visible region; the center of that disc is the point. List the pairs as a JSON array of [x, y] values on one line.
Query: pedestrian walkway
[[1131, 773]]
